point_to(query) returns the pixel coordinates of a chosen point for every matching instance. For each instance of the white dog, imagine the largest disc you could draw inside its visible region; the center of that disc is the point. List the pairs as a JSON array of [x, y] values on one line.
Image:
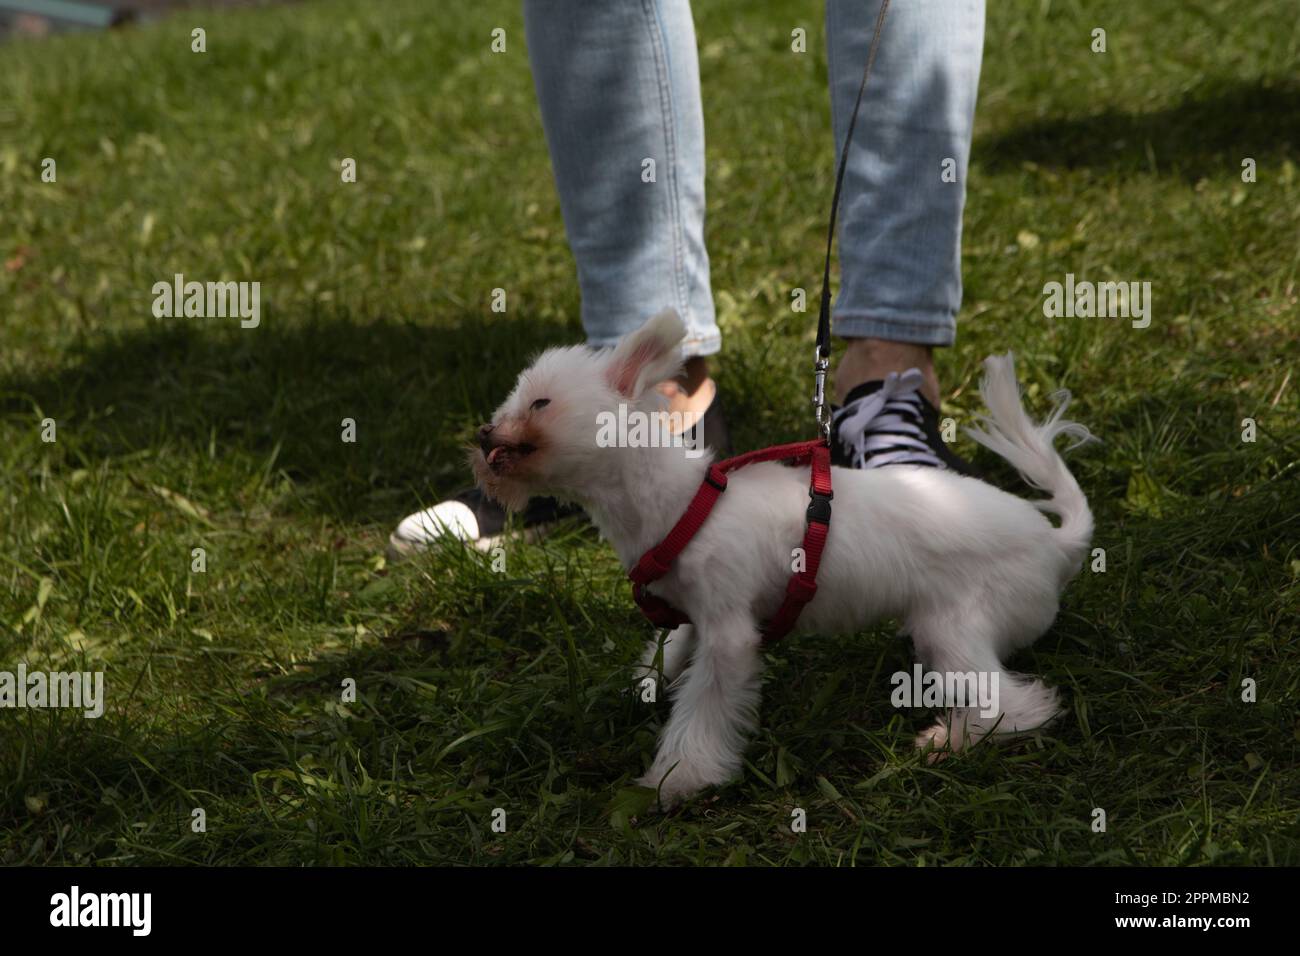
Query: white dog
[[971, 572]]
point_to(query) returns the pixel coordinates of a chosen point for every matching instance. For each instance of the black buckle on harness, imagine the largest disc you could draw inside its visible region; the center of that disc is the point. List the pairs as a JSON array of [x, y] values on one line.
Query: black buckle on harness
[[819, 508]]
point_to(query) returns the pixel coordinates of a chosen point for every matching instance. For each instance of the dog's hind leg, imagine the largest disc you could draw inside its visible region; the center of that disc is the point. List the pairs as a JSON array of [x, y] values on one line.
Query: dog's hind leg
[[962, 648], [715, 708]]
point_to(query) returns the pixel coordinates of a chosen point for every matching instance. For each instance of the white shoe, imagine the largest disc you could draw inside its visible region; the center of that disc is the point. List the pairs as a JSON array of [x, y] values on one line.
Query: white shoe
[[473, 518]]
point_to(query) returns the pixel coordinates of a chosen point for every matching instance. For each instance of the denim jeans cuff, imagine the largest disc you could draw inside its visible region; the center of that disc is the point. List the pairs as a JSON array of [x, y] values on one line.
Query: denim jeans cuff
[[933, 329], [702, 338], [697, 344]]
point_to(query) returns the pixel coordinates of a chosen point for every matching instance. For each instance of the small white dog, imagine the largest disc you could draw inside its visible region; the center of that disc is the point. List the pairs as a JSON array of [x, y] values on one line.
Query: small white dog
[[971, 572]]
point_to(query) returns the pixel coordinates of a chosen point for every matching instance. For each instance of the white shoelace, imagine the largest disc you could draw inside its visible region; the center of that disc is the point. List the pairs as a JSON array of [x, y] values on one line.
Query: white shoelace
[[884, 428]]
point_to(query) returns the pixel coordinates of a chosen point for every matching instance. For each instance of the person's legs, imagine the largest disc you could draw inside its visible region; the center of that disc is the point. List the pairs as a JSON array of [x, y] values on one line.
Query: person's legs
[[619, 90], [900, 219]]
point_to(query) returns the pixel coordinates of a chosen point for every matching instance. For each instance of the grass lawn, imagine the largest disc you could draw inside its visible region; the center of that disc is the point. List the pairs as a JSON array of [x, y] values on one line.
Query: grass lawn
[[480, 690]]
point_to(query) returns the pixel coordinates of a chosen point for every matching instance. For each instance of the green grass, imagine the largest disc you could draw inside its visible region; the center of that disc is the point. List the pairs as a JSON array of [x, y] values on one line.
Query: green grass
[[479, 689]]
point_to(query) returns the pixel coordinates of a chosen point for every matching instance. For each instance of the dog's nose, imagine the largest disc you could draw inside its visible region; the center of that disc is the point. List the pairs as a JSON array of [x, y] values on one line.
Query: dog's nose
[[485, 441]]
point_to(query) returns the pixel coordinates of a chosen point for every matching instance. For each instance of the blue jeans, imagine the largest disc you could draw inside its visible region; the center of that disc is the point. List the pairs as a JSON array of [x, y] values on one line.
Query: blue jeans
[[619, 88]]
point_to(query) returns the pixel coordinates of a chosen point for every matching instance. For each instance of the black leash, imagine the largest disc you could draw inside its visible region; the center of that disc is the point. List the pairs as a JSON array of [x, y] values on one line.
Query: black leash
[[822, 355]]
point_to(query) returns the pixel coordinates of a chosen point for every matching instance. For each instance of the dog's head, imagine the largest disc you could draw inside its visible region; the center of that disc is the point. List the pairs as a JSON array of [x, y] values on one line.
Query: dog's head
[[543, 440]]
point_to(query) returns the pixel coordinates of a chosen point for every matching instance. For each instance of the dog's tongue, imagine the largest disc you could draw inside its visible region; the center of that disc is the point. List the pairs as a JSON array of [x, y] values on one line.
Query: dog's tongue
[[492, 455]]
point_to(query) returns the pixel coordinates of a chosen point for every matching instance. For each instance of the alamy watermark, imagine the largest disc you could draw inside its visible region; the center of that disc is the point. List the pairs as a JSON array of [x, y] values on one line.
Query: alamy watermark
[[219, 300], [1104, 300], [634, 428], [80, 690], [929, 689], [75, 908]]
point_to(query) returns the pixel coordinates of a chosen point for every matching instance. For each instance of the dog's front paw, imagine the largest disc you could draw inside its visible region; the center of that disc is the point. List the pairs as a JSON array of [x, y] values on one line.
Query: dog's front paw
[[668, 796], [934, 742], [644, 685], [675, 785]]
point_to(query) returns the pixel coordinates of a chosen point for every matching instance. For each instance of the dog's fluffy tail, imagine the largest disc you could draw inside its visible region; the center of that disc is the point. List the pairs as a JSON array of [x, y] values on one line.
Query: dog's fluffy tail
[[1009, 432]]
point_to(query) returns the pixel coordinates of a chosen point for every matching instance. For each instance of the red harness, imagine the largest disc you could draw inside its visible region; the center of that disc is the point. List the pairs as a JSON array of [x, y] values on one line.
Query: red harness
[[657, 562]]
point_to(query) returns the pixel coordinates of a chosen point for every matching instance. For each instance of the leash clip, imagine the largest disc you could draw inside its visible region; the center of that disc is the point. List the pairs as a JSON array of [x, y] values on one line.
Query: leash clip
[[822, 412]]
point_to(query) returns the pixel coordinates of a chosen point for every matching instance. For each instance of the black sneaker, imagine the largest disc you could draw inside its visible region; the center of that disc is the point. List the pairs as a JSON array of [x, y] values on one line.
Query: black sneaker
[[891, 423], [476, 519]]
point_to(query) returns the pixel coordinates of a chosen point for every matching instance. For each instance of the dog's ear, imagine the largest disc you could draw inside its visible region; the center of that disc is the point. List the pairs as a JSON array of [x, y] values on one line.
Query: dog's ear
[[647, 356]]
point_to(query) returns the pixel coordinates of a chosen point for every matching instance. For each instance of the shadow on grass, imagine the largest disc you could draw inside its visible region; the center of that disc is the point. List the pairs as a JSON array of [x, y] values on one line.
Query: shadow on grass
[[191, 394], [1208, 133], [278, 394]]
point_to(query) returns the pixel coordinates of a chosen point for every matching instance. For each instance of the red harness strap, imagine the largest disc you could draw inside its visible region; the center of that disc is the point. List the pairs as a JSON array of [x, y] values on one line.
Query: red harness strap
[[657, 562]]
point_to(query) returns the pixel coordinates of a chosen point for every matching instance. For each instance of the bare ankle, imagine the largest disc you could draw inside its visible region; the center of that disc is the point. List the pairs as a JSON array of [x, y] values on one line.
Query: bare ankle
[[867, 360], [693, 390]]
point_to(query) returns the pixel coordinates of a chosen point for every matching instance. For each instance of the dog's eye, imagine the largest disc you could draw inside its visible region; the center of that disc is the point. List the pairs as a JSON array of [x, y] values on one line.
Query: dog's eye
[[540, 403]]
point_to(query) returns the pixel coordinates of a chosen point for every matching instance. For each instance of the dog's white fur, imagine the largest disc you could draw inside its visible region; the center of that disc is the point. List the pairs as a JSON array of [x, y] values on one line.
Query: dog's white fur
[[971, 572]]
